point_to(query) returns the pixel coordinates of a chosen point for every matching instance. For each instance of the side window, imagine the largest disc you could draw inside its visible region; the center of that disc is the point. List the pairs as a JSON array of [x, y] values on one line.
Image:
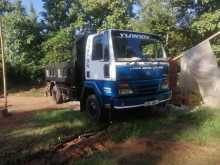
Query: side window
[[97, 48], [106, 47]]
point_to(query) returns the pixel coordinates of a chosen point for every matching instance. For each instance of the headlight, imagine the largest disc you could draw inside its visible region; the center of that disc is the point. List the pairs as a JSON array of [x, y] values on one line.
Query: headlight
[[124, 89], [164, 85]]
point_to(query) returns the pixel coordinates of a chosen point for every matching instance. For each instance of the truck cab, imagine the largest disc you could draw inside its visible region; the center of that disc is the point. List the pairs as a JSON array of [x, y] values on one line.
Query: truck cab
[[117, 69]]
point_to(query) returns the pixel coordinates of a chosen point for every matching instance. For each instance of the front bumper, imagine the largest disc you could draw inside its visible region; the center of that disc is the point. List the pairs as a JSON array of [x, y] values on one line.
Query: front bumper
[[143, 101]]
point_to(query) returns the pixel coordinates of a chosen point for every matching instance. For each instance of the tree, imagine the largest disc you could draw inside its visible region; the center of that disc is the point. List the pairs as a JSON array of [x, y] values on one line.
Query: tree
[[23, 40], [208, 19], [98, 14], [56, 14], [5, 7], [159, 17], [74, 15], [31, 44], [183, 23], [58, 47], [203, 17], [33, 13]]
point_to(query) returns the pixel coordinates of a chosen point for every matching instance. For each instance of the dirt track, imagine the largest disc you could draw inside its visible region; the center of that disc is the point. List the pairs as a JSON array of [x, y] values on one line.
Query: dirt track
[[24, 106], [19, 104], [132, 151]]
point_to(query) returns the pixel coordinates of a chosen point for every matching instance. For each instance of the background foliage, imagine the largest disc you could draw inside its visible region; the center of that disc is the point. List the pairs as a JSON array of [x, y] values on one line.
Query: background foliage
[[33, 42]]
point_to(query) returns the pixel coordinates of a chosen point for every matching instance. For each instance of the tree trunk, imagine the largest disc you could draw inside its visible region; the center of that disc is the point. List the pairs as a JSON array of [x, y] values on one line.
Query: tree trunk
[[4, 110]]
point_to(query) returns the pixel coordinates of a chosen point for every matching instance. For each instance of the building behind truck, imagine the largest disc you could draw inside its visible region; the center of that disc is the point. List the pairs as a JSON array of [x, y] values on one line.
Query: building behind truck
[[112, 70]]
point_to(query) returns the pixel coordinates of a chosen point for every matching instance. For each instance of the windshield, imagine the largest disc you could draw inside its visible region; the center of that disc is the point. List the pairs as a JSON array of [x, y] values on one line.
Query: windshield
[[136, 47]]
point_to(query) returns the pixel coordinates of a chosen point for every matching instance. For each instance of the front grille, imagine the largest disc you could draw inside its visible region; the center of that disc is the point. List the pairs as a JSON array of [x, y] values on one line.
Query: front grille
[[145, 89]]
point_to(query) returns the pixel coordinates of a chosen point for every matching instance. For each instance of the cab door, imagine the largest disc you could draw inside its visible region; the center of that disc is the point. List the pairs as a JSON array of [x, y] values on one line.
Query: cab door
[[97, 64]]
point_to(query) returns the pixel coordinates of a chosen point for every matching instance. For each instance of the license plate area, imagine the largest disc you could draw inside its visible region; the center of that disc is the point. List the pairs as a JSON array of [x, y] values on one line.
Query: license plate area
[[151, 103]]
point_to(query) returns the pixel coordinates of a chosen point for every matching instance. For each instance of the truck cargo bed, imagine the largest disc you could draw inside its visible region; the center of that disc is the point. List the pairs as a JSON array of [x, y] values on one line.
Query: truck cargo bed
[[61, 73]]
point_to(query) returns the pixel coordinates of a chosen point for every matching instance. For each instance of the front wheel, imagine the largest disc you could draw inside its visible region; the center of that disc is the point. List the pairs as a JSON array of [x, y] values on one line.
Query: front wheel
[[93, 108]]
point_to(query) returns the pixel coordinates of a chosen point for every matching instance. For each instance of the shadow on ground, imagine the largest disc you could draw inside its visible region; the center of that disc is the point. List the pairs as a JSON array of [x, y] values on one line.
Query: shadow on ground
[[31, 132], [149, 137], [160, 134]]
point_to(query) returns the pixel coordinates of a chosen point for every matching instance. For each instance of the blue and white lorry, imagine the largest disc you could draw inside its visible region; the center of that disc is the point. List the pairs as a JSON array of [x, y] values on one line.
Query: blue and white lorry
[[112, 70]]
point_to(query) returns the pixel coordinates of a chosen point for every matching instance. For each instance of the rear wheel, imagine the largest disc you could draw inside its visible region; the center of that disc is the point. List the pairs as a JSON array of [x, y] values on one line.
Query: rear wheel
[[57, 95], [93, 108]]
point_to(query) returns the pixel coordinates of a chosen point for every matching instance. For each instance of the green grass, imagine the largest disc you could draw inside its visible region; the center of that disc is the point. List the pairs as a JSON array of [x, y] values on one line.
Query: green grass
[[39, 132], [45, 129], [200, 127]]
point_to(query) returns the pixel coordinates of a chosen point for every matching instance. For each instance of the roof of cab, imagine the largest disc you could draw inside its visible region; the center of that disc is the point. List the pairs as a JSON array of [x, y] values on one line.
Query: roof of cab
[[87, 33], [130, 31]]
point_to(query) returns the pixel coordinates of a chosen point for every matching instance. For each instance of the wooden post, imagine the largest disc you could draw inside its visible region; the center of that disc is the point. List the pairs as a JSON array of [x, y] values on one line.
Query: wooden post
[[5, 110]]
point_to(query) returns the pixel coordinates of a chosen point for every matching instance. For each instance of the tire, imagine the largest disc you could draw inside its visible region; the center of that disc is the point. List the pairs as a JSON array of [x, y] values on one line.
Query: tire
[[93, 108], [57, 95], [82, 106]]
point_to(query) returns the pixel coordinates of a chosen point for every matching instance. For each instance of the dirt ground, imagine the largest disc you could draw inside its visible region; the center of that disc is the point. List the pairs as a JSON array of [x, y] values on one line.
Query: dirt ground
[[19, 104], [133, 151], [163, 152], [20, 107], [139, 152]]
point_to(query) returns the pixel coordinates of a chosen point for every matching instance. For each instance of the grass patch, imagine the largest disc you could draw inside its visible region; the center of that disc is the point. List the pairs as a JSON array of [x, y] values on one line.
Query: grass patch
[[141, 128], [201, 127], [45, 129], [39, 132]]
